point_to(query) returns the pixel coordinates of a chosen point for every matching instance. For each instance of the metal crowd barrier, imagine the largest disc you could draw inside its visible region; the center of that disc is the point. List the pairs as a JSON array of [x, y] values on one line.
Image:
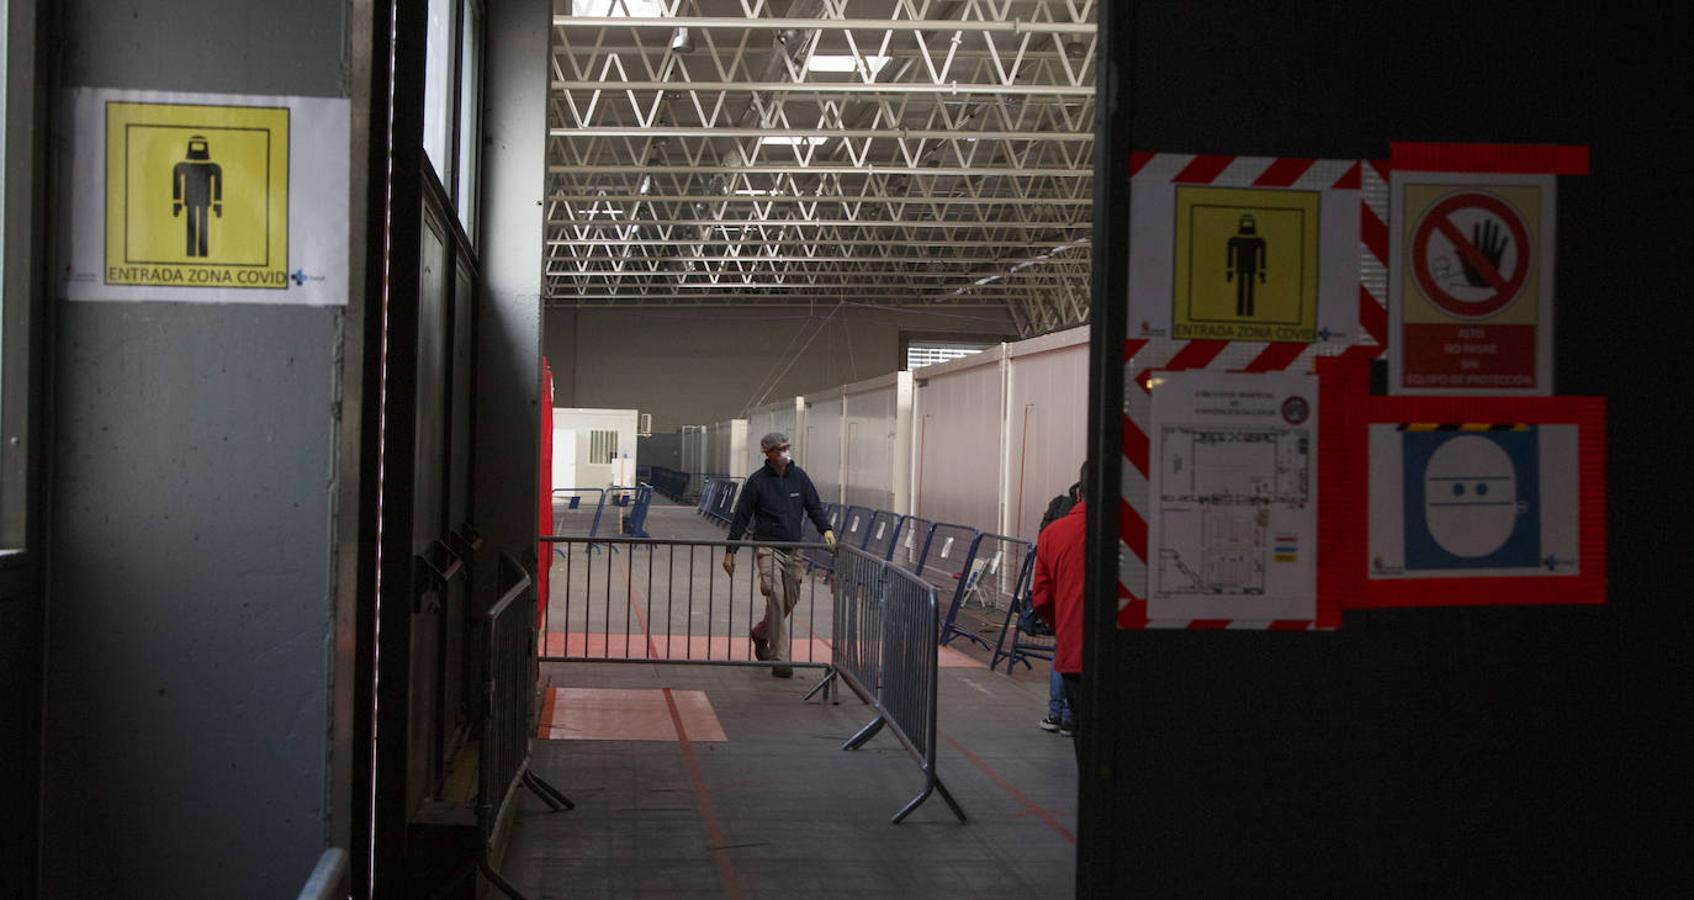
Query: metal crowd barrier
[[670, 600], [635, 524], [998, 570], [670, 482], [575, 516], [855, 524], [1029, 638], [882, 534], [727, 496], [820, 559], [508, 721], [886, 625], [908, 549], [329, 877]]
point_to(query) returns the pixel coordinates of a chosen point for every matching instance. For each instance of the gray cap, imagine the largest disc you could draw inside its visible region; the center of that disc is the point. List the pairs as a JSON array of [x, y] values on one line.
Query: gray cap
[[773, 440]]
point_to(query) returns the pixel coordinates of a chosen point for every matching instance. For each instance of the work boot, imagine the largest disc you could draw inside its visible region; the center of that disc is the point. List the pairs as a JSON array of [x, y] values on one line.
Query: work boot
[[782, 671], [761, 648]]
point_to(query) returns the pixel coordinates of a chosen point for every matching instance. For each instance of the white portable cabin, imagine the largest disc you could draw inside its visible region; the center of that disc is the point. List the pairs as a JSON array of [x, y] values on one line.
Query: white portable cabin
[[592, 448], [726, 447], [1047, 424], [959, 425], [877, 443], [826, 432]]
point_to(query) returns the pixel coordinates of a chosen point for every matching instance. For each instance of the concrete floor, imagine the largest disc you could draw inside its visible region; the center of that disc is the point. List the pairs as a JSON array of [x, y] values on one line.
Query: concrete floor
[[777, 809]]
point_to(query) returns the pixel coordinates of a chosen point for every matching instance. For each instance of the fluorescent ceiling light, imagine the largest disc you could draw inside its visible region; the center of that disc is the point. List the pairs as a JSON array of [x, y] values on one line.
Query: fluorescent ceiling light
[[634, 9], [821, 62], [790, 141]]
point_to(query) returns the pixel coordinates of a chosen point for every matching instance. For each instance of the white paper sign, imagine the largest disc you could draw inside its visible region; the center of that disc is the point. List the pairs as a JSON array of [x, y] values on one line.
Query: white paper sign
[[205, 198], [1470, 284], [1233, 532], [1451, 503]]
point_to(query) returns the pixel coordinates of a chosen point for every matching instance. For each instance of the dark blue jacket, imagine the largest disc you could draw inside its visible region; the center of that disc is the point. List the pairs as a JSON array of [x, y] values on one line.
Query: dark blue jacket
[[774, 504]]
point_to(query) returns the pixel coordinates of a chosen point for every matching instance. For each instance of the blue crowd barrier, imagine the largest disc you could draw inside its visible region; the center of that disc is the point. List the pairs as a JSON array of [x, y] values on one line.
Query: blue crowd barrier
[[994, 574], [855, 526], [1023, 637], [883, 534]]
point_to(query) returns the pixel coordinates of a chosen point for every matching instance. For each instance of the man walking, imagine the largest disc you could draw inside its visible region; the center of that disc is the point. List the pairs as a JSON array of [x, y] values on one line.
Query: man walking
[[1060, 563], [773, 500]]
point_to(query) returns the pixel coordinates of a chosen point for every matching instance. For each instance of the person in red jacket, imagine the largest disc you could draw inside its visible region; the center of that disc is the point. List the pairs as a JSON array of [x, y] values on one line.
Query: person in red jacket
[[1057, 598]]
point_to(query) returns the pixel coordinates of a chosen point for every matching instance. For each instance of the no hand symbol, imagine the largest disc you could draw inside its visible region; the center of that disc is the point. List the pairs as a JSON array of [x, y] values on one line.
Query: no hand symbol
[[1470, 254]]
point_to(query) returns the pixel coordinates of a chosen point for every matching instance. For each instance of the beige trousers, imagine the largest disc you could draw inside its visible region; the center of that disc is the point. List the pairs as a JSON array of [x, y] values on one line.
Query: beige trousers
[[779, 580]]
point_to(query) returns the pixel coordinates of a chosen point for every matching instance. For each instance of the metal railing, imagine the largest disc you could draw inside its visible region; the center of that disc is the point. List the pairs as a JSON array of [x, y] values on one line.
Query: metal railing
[[329, 877], [574, 514], [507, 719], [671, 600], [882, 534], [886, 625], [671, 482], [996, 570]]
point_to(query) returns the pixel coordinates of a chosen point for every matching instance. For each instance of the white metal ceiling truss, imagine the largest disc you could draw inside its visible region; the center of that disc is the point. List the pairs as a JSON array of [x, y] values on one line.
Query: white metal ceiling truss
[[703, 152]]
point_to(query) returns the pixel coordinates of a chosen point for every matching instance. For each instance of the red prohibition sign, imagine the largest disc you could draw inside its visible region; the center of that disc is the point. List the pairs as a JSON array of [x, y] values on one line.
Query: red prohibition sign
[[1438, 219]]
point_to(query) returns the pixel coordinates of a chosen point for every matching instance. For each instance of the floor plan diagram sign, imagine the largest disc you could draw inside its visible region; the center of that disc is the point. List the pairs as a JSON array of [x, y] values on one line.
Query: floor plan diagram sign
[[1233, 533], [207, 198]]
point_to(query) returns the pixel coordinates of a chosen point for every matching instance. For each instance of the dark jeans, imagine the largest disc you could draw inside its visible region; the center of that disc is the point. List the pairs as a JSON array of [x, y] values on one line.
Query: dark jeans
[[1079, 712]]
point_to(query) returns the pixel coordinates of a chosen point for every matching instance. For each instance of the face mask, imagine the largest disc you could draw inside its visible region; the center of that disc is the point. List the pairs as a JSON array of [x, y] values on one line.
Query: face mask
[[787, 457]]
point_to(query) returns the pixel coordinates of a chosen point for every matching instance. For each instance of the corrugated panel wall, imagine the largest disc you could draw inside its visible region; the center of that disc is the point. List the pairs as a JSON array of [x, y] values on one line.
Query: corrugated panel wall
[[1047, 415], [958, 432]]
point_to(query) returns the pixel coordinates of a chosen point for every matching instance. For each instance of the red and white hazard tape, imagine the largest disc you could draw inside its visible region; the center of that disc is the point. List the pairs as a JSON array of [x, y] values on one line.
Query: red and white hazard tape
[[1141, 356]]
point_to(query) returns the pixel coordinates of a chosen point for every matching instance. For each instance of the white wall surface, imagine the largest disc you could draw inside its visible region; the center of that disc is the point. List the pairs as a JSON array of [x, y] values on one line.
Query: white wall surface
[[1047, 418], [958, 429], [825, 421], [688, 366], [877, 445]]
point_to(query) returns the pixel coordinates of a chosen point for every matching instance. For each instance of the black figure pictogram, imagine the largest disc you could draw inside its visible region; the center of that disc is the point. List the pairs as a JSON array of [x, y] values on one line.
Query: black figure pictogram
[[197, 183], [1490, 242], [1246, 262]]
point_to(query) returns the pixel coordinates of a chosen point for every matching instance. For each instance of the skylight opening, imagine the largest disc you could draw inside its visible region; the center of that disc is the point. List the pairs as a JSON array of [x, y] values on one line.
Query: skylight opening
[[838, 63]]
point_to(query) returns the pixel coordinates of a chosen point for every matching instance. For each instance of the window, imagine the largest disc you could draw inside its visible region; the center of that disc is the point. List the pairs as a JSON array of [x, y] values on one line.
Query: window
[[602, 447], [928, 353], [438, 89], [470, 117]]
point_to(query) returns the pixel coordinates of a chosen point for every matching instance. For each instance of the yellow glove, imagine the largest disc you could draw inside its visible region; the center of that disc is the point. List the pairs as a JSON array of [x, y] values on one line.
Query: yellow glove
[[729, 562], [829, 540]]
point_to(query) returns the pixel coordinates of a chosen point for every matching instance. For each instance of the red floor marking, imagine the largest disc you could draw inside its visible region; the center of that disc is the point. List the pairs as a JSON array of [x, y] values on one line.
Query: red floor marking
[[726, 869], [1030, 806], [545, 726], [640, 612]]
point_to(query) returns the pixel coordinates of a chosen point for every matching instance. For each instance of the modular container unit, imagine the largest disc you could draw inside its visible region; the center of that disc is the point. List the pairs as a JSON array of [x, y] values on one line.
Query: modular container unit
[[826, 432], [1047, 424], [787, 416], [877, 443], [693, 459], [726, 448], [959, 436], [590, 446]]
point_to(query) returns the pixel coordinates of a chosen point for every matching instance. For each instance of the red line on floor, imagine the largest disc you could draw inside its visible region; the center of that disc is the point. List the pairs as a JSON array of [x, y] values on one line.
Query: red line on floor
[[545, 726], [640, 612], [1030, 806], [714, 832]]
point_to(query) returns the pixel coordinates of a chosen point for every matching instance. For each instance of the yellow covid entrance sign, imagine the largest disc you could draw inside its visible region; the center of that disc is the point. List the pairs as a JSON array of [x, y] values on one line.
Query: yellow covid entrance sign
[[1246, 264], [196, 196]]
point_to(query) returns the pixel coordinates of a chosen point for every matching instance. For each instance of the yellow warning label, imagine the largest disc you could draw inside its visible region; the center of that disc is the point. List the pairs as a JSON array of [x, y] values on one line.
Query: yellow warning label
[[196, 196], [1246, 264]]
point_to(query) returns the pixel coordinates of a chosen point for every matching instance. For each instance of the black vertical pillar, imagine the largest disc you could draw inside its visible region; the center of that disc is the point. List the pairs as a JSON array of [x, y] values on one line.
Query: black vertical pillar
[[1108, 313]]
